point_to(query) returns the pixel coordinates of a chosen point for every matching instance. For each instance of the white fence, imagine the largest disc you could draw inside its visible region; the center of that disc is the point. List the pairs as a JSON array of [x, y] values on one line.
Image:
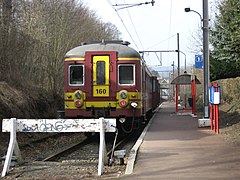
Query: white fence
[[14, 125]]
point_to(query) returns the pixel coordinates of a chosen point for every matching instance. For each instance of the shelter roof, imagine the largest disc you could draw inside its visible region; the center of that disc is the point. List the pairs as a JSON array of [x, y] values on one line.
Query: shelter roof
[[185, 79]]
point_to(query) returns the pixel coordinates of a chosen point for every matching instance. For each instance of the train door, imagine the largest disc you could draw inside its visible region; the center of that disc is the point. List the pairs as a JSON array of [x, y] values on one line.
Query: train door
[[100, 76]]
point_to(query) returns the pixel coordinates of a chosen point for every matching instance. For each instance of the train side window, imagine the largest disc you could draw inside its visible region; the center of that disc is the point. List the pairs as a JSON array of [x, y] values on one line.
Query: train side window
[[76, 75], [154, 86], [126, 74]]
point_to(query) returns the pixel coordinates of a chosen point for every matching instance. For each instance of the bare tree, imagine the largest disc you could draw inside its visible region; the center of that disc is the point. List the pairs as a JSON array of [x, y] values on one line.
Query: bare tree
[[37, 33], [5, 20]]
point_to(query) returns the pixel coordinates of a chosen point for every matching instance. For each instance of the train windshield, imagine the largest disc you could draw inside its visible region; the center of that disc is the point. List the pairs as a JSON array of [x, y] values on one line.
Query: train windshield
[[126, 74], [101, 73], [76, 74]]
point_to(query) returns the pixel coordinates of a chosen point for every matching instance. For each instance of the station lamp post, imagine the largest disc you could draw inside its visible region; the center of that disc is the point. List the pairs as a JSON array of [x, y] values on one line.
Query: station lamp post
[[206, 78], [191, 10]]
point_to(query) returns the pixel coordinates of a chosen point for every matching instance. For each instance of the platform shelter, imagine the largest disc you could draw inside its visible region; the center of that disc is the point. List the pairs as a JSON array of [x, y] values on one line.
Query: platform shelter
[[185, 93]]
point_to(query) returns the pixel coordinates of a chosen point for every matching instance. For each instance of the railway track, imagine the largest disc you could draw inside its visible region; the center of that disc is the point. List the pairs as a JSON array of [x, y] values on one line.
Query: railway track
[[70, 149], [77, 158], [87, 150]]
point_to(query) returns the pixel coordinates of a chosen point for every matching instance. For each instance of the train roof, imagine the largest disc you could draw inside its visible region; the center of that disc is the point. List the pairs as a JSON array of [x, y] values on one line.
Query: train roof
[[120, 46]]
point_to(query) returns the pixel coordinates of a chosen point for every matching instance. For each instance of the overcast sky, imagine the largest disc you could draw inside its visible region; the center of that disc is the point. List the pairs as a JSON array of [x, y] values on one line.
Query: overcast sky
[[154, 27]]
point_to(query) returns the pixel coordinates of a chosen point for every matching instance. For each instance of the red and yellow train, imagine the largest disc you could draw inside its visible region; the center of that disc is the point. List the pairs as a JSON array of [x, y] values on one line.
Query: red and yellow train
[[109, 79]]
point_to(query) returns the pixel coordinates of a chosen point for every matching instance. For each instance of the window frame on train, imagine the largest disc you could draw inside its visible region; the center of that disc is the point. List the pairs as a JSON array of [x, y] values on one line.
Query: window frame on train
[[126, 75], [81, 79]]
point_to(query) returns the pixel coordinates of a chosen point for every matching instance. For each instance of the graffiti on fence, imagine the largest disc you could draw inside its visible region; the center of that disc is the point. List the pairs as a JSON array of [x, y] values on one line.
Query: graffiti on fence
[[61, 125]]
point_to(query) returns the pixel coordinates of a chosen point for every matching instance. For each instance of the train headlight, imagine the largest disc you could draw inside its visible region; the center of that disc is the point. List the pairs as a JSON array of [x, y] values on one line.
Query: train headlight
[[134, 104], [123, 103], [123, 94], [122, 120], [78, 95], [78, 103]]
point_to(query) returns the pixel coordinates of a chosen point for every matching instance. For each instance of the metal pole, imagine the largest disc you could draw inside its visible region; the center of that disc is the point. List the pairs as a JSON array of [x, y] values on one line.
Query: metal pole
[[178, 51], [185, 63], [205, 58], [173, 69], [173, 85]]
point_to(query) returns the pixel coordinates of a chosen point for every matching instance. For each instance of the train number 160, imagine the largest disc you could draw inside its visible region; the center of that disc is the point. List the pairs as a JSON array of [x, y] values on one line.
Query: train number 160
[[101, 91]]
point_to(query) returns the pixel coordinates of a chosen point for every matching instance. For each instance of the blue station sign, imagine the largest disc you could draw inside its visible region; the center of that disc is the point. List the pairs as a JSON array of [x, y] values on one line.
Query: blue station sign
[[198, 61]]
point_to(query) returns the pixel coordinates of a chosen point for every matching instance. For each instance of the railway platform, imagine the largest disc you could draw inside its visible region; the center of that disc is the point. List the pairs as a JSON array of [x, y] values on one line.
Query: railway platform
[[175, 148]]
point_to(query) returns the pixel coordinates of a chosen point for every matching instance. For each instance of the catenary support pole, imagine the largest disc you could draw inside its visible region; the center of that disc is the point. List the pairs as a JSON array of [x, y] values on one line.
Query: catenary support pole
[[206, 57], [178, 53]]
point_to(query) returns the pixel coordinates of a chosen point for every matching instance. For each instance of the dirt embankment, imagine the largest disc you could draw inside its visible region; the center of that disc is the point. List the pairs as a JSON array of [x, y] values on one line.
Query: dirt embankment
[[27, 102], [24, 103]]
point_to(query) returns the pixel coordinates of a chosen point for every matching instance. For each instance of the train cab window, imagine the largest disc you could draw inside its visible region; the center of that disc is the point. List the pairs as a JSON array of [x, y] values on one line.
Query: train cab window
[[76, 75], [126, 74], [101, 73]]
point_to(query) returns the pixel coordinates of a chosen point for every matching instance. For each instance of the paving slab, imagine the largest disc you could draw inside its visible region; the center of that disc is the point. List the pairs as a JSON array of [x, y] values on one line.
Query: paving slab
[[175, 148]]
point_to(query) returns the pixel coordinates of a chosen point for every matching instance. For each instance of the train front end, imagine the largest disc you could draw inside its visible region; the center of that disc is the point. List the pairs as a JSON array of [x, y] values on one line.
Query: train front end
[[103, 80]]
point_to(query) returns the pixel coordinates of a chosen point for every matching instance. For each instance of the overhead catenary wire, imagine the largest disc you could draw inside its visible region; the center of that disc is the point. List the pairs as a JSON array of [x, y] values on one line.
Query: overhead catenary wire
[[161, 42], [135, 29], [132, 22], [133, 4], [159, 58], [170, 21], [123, 24]]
